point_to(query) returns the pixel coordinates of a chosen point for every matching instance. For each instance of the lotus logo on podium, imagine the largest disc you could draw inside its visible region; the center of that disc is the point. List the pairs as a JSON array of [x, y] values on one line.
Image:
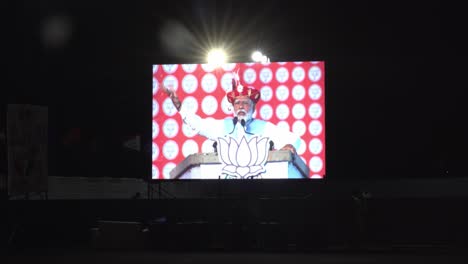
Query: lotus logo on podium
[[243, 160]]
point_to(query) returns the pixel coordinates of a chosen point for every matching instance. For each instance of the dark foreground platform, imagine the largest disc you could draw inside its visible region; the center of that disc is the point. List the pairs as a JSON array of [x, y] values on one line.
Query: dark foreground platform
[[330, 257], [247, 223]]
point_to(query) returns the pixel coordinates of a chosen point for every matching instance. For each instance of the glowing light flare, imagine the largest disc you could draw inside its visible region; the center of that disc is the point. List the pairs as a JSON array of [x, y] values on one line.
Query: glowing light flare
[[217, 57], [257, 56]]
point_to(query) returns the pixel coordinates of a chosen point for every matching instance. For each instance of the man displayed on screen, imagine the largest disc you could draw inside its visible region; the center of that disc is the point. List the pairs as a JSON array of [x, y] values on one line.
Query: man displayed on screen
[[249, 117], [242, 124]]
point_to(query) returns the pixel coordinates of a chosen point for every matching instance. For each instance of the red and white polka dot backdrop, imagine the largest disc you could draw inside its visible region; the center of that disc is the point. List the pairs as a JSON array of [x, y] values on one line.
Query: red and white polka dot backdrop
[[292, 96]]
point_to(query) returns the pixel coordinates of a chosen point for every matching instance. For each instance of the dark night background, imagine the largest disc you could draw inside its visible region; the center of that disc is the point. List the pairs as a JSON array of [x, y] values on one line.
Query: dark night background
[[396, 137], [387, 106]]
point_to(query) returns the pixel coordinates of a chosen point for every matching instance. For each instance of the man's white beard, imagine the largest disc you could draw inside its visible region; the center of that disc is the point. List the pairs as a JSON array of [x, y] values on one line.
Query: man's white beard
[[245, 117]]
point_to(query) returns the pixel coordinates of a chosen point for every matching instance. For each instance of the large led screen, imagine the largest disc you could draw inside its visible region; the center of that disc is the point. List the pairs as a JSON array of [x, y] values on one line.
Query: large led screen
[[291, 99]]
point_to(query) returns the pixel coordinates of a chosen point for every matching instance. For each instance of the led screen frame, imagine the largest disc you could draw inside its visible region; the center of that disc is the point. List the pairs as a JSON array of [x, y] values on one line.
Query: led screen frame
[[292, 97]]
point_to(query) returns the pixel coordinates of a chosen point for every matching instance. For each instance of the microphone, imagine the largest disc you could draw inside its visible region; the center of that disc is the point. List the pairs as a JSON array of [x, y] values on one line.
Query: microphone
[[271, 144], [243, 125], [234, 121], [215, 144]]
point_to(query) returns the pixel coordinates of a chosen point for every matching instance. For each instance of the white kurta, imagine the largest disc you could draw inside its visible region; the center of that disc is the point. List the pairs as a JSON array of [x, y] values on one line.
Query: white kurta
[[216, 128]]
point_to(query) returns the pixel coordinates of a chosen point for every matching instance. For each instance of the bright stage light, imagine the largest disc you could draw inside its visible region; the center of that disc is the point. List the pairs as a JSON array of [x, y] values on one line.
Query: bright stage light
[[216, 57], [257, 56]]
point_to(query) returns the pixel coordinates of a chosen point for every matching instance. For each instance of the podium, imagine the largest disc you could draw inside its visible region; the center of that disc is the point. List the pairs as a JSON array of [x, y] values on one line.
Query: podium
[[281, 164]]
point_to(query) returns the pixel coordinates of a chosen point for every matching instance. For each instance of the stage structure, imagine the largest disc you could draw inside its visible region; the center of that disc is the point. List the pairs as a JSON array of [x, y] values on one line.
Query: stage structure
[[27, 144], [280, 164]]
